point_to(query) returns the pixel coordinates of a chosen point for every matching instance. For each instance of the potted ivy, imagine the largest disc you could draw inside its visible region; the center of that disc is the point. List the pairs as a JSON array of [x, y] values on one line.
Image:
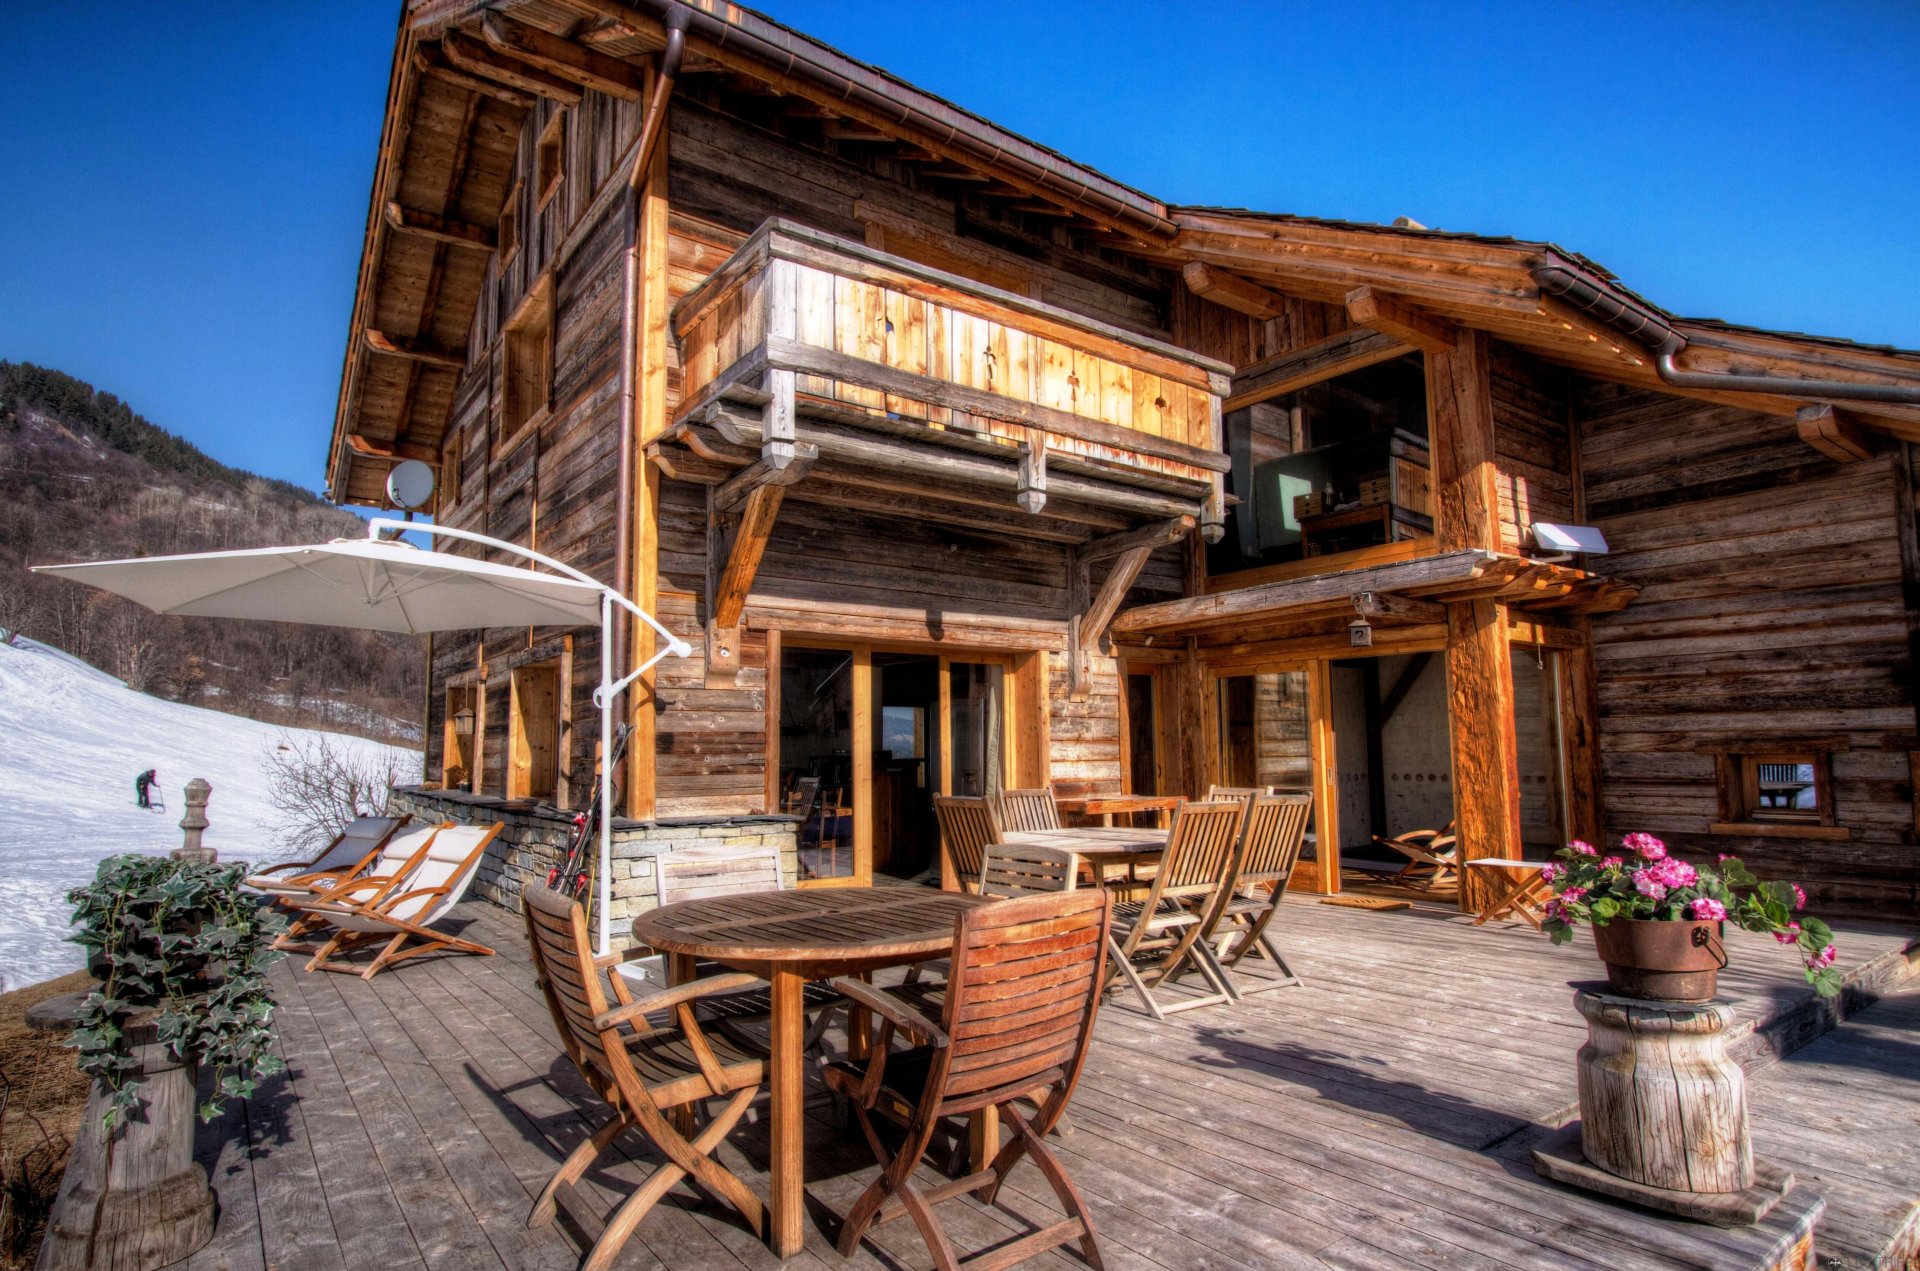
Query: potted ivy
[[1657, 920], [179, 952]]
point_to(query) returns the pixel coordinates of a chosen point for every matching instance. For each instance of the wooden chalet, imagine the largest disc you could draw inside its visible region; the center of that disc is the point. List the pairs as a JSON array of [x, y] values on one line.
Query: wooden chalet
[[963, 466]]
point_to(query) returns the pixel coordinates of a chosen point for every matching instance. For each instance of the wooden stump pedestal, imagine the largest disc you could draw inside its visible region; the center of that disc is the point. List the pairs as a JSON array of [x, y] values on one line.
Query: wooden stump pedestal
[[1663, 1113], [134, 1200]]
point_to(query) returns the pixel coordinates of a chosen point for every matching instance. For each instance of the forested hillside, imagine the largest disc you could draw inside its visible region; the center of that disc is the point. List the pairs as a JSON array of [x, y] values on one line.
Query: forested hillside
[[83, 477]]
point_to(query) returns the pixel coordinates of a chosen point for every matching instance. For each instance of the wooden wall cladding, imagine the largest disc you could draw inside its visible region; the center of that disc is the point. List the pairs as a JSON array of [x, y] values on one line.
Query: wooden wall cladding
[[1532, 444], [1772, 609]]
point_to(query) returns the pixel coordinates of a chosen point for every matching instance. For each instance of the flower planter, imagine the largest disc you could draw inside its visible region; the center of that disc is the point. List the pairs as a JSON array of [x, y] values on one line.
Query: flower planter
[[1665, 961]]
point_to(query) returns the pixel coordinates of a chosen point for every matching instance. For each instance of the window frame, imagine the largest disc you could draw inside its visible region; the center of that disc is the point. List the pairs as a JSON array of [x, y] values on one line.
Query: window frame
[[532, 322], [550, 148], [507, 231], [1737, 776]]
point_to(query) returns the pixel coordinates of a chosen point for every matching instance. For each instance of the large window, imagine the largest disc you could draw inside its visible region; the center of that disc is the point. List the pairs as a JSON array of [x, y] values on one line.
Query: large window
[[1337, 466]]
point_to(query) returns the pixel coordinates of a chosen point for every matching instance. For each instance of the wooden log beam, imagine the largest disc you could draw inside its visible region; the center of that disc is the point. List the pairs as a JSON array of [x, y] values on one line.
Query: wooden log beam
[[1390, 316], [1449, 569], [1151, 537], [1460, 421], [573, 62], [414, 350], [733, 559], [441, 229], [764, 471], [1289, 372], [1030, 490], [1373, 605], [1090, 628], [1480, 728], [1231, 290], [431, 59], [1835, 433], [394, 450], [475, 58]]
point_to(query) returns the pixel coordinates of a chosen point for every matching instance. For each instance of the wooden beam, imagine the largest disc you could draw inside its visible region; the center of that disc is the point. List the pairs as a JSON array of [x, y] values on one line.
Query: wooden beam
[[1835, 434], [394, 450], [1381, 604], [1230, 289], [430, 59], [1090, 628], [441, 229], [1389, 316], [1289, 372], [1030, 489], [732, 561], [414, 350], [1460, 423], [1438, 571], [1154, 536], [477, 59], [574, 62], [1480, 727], [763, 472]]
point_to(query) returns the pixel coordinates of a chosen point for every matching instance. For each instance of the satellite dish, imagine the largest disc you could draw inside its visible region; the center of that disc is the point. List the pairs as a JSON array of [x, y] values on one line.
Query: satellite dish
[[410, 484]]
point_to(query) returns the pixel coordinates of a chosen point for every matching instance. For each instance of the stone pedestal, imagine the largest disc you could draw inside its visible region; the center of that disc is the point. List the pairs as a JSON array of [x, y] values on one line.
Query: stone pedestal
[[1663, 1112], [194, 824], [132, 1200]]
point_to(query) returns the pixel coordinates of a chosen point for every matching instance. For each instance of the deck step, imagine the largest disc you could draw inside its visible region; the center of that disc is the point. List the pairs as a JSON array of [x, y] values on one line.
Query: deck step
[[1841, 1113]]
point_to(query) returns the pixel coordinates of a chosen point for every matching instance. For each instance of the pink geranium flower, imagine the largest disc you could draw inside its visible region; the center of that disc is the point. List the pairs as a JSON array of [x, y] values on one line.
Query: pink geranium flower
[[1645, 846], [1823, 959], [1647, 885], [1611, 862], [1583, 848], [1573, 893], [1790, 935], [1799, 897], [1672, 872], [1706, 909]]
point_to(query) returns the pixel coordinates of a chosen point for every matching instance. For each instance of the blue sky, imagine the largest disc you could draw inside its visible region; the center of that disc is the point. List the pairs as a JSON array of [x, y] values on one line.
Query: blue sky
[[185, 195]]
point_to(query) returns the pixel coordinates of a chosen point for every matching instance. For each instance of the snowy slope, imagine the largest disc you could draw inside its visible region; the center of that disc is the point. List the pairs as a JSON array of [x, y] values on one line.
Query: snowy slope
[[72, 740]]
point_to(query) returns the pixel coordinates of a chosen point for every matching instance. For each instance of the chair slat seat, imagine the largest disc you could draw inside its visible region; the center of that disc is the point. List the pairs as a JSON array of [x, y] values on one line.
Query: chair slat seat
[[666, 1062]]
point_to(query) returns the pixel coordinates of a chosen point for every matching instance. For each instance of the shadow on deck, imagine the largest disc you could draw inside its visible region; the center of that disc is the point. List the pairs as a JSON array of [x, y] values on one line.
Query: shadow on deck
[[1377, 1116]]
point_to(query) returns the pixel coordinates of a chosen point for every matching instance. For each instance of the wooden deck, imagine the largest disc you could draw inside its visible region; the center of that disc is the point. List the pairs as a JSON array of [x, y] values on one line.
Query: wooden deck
[[1378, 1116]]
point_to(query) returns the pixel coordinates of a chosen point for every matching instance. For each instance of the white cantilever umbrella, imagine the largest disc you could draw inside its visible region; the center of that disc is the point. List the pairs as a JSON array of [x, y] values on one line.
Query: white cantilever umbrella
[[380, 585]]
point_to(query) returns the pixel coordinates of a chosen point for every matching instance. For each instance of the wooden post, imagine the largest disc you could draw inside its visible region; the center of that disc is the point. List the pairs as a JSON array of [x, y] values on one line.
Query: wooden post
[[133, 1199], [1486, 762], [194, 823]]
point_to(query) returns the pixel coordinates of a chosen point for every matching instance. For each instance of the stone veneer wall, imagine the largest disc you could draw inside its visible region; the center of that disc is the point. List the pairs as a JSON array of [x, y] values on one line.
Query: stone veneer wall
[[535, 838]]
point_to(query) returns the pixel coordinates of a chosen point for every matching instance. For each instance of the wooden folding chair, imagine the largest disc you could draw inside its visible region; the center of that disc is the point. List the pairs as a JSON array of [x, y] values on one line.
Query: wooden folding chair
[[403, 913], [1028, 810], [1217, 793], [1431, 854], [1017, 1020], [967, 825], [386, 869], [643, 1069], [1275, 831], [1164, 929], [351, 851]]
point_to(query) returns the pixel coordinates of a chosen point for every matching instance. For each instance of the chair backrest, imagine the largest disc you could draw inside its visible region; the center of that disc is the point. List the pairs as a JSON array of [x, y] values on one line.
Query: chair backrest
[[1217, 793], [1200, 848], [1028, 810], [563, 965], [967, 825], [1021, 997], [800, 799], [363, 835], [450, 861], [1016, 870], [695, 873], [397, 853], [1276, 829]]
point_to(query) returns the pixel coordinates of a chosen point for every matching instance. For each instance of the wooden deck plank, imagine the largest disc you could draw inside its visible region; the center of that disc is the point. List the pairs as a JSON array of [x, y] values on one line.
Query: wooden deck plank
[[224, 1148]]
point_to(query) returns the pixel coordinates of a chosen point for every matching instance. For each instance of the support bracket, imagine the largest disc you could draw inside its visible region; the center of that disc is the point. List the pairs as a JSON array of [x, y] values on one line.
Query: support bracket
[[1087, 630]]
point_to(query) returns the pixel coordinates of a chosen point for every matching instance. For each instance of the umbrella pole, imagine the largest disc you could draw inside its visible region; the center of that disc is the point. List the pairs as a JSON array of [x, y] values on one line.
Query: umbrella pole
[[606, 776]]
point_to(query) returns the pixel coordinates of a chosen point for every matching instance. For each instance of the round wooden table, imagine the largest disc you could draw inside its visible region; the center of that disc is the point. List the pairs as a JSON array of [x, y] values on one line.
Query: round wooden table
[[789, 938]]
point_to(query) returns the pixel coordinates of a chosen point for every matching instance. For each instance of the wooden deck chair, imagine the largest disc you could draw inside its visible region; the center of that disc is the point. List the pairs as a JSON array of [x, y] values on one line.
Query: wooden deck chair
[[1028, 810], [967, 825], [351, 851], [1217, 793], [1017, 1020], [643, 1069], [1431, 854], [403, 913], [386, 869], [1164, 929], [1275, 831]]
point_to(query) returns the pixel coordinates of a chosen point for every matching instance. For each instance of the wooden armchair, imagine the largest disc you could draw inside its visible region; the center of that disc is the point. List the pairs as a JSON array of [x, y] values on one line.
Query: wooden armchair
[[643, 1069], [1275, 831], [1039, 959], [1028, 810]]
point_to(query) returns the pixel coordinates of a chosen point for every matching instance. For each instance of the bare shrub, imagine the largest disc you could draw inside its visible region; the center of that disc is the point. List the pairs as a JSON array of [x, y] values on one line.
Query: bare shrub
[[320, 784]]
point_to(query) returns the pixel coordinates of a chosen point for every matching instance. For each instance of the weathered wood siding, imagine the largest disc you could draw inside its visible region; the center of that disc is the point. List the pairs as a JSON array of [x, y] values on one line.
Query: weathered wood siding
[[1532, 444], [1772, 609]]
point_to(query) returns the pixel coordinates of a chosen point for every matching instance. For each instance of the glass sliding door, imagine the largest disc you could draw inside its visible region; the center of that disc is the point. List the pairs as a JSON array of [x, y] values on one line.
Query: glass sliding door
[[816, 745], [1537, 735], [977, 728], [1265, 738]]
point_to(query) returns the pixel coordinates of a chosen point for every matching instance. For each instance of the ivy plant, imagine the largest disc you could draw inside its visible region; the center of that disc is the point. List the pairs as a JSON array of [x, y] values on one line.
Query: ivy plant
[[187, 944]]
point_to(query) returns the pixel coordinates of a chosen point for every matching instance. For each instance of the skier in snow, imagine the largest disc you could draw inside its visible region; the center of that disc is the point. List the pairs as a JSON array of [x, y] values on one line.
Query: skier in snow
[[143, 783]]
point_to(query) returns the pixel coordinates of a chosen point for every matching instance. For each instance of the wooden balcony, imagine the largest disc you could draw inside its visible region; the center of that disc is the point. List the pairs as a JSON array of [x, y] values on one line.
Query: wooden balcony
[[809, 356]]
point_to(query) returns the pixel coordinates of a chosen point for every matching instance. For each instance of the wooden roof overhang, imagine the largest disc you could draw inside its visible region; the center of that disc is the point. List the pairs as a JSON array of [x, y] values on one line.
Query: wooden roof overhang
[[920, 392], [1400, 593]]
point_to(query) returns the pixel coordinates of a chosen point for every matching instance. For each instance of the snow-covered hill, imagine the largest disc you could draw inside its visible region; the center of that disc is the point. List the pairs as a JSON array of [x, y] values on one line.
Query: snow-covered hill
[[72, 739]]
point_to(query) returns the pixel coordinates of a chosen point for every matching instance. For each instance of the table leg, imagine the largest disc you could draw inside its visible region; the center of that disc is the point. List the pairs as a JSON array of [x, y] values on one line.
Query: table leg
[[787, 1233], [681, 969], [860, 1027], [983, 1138]]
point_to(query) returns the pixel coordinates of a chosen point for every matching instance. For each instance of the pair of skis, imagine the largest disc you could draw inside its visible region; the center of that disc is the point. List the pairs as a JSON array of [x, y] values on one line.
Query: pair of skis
[[573, 875]]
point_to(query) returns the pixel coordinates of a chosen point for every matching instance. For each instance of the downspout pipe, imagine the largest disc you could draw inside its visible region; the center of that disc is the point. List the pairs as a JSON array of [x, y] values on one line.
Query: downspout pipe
[[652, 128], [1641, 324]]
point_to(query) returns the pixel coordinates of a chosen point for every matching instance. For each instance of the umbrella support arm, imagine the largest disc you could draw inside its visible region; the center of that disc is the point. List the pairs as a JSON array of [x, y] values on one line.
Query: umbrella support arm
[[604, 696]]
